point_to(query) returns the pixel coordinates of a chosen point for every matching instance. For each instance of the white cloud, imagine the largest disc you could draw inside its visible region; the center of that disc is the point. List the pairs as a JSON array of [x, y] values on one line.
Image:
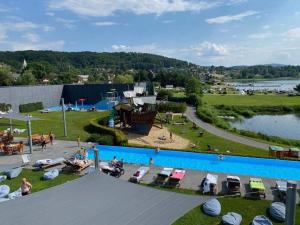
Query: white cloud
[[209, 49], [292, 34], [260, 35], [101, 8], [266, 27], [18, 26], [234, 2], [50, 14], [69, 24], [230, 18], [31, 37], [120, 48], [21, 46], [297, 13], [105, 23], [47, 28], [167, 21]]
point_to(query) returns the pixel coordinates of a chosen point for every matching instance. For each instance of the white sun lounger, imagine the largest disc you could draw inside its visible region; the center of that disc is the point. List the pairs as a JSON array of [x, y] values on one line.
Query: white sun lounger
[[46, 163], [210, 183], [139, 174]]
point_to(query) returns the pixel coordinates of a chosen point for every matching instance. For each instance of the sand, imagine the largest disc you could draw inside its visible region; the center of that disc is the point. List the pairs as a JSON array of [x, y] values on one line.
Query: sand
[[153, 139]]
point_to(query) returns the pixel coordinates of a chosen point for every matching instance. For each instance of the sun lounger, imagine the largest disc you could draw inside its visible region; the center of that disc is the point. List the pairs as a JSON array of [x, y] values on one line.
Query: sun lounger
[[163, 176], [47, 163], [176, 177], [139, 174], [257, 187], [210, 184], [25, 159], [76, 165], [233, 184], [281, 187]]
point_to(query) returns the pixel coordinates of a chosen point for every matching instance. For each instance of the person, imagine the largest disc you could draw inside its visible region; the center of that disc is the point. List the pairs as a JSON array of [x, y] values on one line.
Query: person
[[25, 187], [171, 136], [43, 140], [221, 157], [78, 141], [114, 161], [151, 161], [51, 137], [157, 150]]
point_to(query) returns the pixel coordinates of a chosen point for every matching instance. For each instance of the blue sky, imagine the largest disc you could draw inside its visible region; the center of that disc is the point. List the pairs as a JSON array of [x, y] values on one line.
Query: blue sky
[[206, 32]]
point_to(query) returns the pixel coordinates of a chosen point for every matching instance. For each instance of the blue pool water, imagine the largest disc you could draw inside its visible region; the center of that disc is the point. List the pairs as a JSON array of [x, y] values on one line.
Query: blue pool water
[[102, 105], [271, 168]]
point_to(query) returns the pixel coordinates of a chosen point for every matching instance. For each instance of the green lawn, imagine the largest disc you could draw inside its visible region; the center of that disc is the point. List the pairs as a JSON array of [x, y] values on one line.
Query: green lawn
[[216, 142], [254, 100], [76, 121], [36, 179], [247, 208]]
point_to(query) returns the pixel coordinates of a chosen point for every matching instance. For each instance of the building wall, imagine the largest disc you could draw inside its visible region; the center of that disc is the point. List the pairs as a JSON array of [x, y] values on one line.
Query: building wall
[[50, 95]]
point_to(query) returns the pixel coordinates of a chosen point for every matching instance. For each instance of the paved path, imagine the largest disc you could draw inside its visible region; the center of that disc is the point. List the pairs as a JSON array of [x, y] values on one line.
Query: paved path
[[191, 115]]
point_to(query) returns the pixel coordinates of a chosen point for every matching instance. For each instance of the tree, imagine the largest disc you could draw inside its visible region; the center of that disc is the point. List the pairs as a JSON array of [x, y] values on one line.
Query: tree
[[6, 78], [193, 86], [27, 78], [297, 88], [124, 79]]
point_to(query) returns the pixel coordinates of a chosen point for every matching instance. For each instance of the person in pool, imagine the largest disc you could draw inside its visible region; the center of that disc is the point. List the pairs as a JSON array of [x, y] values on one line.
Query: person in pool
[[221, 157], [157, 150]]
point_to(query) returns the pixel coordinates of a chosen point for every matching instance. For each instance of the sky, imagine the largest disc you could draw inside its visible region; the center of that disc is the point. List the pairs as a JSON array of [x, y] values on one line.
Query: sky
[[205, 32]]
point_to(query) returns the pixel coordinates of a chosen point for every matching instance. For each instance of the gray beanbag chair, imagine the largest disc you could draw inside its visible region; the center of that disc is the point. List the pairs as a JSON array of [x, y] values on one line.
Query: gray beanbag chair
[[261, 220], [212, 207], [277, 211], [15, 194], [4, 191], [2, 177], [50, 175], [232, 218], [13, 173]]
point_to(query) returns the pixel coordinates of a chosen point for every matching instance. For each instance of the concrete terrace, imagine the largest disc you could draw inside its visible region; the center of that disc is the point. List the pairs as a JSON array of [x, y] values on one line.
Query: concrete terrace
[[192, 180]]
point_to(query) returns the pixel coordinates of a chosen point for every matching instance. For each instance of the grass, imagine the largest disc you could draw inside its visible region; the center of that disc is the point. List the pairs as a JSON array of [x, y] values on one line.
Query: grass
[[35, 177], [254, 100], [76, 122], [247, 208], [223, 145]]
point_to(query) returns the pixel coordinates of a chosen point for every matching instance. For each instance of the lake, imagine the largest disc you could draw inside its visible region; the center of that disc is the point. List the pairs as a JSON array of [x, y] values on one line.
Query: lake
[[285, 126], [269, 85]]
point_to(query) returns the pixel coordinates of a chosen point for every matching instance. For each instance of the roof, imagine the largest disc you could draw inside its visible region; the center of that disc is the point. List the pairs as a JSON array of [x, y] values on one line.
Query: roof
[[276, 148], [98, 199]]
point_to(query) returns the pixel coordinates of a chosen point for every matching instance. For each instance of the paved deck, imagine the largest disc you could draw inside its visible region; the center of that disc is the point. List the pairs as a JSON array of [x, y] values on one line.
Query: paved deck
[[191, 115], [98, 199], [191, 181]]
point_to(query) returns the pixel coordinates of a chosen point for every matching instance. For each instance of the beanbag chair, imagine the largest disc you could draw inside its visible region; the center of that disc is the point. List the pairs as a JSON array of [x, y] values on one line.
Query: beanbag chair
[[15, 194], [13, 173], [261, 220], [277, 211], [50, 175], [2, 177], [232, 218], [212, 207], [4, 191]]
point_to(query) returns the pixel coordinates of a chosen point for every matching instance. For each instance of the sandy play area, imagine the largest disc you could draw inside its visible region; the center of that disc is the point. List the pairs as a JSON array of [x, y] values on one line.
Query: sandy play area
[[153, 139]]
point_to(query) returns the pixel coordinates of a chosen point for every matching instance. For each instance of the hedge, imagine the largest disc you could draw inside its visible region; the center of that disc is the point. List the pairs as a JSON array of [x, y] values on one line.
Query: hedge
[[119, 137], [4, 107], [171, 107], [101, 139], [30, 107]]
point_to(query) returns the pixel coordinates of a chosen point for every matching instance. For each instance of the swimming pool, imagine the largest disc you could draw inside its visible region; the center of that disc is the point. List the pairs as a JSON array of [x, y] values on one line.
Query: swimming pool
[[271, 168], [102, 105]]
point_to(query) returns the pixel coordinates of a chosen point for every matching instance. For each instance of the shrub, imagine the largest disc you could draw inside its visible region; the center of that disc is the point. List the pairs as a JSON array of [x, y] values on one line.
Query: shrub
[[101, 139], [30, 107], [194, 100], [163, 93], [171, 107], [4, 107], [119, 137]]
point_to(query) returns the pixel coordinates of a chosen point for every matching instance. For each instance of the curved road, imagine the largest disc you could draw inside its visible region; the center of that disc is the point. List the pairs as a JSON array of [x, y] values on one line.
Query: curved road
[[191, 115]]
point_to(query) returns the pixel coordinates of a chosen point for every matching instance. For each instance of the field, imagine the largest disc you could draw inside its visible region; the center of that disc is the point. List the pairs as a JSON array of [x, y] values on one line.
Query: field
[[247, 208], [35, 178], [252, 100], [216, 142], [76, 122]]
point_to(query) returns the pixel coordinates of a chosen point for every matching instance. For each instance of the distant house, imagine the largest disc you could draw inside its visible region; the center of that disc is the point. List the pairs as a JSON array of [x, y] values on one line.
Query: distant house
[[83, 79], [169, 87]]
